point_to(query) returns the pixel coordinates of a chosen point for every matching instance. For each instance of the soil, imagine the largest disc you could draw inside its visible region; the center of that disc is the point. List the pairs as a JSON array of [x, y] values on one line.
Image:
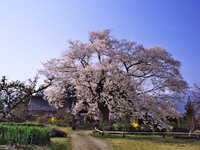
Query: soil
[[5, 147], [83, 141]]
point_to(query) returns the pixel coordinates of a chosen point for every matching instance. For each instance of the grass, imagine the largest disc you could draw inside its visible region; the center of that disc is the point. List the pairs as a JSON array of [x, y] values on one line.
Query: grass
[[149, 142], [80, 133], [60, 143]]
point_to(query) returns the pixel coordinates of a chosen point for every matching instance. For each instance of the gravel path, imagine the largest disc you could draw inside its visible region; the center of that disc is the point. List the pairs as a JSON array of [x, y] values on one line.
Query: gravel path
[[83, 141]]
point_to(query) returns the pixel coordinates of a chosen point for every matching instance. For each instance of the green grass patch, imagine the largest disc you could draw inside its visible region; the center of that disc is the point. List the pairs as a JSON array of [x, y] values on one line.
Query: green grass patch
[[149, 142], [59, 144]]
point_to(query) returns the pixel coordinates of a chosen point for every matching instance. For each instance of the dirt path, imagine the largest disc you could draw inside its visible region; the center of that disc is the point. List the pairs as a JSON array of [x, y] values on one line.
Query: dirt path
[[83, 141]]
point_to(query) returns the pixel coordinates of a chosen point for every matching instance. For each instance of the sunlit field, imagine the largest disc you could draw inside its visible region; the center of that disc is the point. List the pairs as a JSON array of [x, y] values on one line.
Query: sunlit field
[[149, 142]]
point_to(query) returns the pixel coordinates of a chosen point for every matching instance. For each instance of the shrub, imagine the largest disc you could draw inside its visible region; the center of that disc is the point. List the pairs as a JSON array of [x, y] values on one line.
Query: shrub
[[61, 123], [144, 128], [107, 127], [68, 119], [42, 120], [95, 124], [119, 126], [123, 123]]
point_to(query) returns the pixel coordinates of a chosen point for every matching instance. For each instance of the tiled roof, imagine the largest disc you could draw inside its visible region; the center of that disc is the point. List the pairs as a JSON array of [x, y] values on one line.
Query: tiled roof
[[38, 103]]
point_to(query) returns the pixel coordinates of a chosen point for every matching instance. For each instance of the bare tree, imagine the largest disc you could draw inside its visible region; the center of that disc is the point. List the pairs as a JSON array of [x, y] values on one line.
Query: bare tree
[[14, 93], [192, 108], [189, 115], [110, 75], [197, 96]]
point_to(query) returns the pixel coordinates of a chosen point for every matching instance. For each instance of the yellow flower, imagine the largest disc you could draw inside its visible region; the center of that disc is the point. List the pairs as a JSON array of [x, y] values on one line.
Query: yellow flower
[[135, 125], [53, 119]]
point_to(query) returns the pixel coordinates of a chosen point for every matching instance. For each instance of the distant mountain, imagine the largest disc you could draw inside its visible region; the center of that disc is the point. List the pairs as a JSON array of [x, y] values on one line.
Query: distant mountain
[[181, 105]]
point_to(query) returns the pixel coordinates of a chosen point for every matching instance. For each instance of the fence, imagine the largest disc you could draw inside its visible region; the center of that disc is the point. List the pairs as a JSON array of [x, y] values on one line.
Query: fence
[[175, 134]]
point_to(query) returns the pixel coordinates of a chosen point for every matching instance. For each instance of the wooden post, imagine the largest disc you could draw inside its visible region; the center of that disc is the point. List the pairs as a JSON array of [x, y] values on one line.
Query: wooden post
[[123, 134], [163, 135]]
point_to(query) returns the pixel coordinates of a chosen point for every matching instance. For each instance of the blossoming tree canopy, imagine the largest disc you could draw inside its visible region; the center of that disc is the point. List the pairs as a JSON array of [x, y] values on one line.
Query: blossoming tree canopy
[[109, 75]]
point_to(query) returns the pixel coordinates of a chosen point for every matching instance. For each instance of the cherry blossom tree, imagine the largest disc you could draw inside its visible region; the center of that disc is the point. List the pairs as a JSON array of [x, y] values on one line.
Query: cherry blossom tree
[[110, 75]]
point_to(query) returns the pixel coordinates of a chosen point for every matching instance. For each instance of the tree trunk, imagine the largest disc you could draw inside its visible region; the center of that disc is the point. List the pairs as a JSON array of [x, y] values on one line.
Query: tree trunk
[[104, 113], [73, 122], [192, 125]]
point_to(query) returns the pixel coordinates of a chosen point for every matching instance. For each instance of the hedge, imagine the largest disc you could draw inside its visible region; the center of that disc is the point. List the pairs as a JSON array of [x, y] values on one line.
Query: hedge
[[26, 135]]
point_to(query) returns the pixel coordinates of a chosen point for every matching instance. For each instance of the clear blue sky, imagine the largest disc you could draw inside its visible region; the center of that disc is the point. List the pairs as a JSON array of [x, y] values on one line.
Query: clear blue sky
[[34, 31]]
